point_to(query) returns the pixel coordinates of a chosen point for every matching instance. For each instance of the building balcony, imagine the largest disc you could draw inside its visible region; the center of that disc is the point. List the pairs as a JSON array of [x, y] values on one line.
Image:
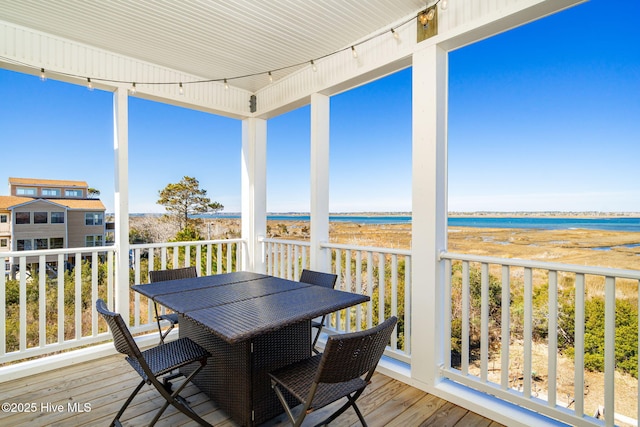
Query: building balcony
[[490, 335], [501, 364]]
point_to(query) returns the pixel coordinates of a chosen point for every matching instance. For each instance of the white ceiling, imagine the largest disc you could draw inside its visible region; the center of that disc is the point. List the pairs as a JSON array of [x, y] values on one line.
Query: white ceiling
[[215, 39]]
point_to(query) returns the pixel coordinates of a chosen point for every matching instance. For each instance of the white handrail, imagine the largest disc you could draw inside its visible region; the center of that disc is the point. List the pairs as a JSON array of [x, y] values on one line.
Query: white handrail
[[473, 300], [390, 251], [569, 268], [180, 244]]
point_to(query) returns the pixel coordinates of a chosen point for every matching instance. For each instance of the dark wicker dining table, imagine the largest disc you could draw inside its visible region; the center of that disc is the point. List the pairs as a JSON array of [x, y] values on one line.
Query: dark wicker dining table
[[251, 324]]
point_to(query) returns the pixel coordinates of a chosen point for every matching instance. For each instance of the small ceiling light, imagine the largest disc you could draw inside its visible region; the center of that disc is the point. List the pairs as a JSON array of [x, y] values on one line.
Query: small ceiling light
[[423, 18], [43, 77], [133, 89], [226, 85], [427, 16], [444, 4], [395, 34], [354, 52], [313, 66], [270, 77], [181, 89], [89, 84]]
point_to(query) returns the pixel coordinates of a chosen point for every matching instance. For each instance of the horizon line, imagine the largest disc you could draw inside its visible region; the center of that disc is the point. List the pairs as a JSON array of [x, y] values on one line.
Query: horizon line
[[409, 213]]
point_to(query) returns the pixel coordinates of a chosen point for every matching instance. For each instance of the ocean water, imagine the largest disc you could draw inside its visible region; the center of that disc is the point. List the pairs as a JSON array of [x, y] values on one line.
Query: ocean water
[[551, 223], [546, 223]]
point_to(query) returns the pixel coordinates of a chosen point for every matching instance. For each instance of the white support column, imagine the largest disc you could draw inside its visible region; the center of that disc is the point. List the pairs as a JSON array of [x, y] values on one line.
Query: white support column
[[121, 162], [319, 218], [429, 203], [254, 191]]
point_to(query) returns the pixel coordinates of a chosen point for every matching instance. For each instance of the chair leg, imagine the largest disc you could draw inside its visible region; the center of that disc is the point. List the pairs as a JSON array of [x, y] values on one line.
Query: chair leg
[[177, 401], [116, 420], [315, 339], [283, 401], [155, 307], [355, 408], [350, 402], [166, 381], [303, 412], [164, 335]]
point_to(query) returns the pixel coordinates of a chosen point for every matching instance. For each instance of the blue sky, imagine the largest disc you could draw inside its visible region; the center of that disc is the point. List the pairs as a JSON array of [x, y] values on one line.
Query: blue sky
[[544, 117]]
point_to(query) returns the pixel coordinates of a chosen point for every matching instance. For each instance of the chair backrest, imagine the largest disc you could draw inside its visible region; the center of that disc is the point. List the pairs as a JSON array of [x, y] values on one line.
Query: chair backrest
[[122, 339], [318, 278], [349, 356], [175, 274]]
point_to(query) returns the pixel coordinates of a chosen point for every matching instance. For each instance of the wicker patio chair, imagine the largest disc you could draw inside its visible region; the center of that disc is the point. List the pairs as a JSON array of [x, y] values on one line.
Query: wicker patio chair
[[153, 363], [162, 276], [337, 373], [320, 279]]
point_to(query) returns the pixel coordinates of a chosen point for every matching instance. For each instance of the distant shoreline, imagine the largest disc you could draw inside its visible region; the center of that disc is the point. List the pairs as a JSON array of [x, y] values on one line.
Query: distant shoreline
[[550, 214], [490, 214], [511, 220]]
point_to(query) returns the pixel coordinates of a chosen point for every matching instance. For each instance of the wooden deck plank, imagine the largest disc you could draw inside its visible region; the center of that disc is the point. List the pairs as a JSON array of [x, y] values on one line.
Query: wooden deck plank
[[96, 385], [390, 409], [474, 420], [61, 379], [419, 412], [106, 383], [447, 415], [99, 398]]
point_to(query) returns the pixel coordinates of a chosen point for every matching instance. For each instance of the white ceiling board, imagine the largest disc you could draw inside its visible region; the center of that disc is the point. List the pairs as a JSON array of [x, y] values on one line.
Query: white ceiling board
[[213, 39]]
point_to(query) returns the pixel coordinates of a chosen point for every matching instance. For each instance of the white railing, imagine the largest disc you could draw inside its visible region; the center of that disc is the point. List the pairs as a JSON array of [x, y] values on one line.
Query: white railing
[[285, 258], [208, 256], [382, 274], [46, 284], [553, 309], [47, 307]]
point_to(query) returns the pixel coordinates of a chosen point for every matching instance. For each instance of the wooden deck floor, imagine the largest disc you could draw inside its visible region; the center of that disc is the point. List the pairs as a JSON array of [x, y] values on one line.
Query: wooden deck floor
[[99, 388]]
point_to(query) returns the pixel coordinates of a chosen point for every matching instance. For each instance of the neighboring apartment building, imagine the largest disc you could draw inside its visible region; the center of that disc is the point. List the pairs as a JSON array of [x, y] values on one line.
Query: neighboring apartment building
[[49, 214]]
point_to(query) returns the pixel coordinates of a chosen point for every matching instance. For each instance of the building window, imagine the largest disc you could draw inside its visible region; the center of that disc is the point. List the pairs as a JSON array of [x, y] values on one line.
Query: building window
[[23, 191], [73, 193], [23, 217], [95, 240], [3, 219], [24, 244], [56, 243], [41, 243], [93, 218], [4, 243], [40, 217], [57, 217], [55, 192]]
